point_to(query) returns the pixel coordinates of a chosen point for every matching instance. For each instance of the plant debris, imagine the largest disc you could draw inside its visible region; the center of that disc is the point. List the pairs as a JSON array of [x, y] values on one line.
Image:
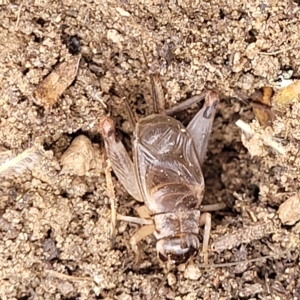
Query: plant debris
[[54, 85]]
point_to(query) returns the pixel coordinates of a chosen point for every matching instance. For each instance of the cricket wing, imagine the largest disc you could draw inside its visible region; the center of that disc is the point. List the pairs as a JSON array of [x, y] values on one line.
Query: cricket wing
[[166, 160], [201, 125], [119, 158]]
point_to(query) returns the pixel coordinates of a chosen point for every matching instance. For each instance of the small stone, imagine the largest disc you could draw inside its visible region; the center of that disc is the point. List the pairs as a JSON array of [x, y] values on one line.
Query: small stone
[[246, 81], [289, 211], [171, 279], [80, 157], [124, 296], [122, 12], [283, 179], [192, 272], [191, 296], [115, 36], [65, 287]]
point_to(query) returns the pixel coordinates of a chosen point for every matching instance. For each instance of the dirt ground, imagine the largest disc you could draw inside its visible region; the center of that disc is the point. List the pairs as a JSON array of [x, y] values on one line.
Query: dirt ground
[[55, 214]]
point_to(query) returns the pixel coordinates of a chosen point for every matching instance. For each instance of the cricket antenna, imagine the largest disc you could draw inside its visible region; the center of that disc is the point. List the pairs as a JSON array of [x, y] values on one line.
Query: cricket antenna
[[128, 109], [169, 269]]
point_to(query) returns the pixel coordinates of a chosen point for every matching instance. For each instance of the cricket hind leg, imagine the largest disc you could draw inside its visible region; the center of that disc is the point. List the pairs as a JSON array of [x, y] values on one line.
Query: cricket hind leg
[[185, 104], [119, 158], [147, 229], [130, 114], [158, 97], [201, 125]]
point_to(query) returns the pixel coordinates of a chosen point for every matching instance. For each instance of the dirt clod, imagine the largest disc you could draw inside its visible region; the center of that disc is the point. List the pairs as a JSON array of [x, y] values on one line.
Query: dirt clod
[[80, 157], [289, 210]]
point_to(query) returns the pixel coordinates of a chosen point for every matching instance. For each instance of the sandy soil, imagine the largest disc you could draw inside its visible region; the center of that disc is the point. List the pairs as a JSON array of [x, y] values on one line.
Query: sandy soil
[[55, 214]]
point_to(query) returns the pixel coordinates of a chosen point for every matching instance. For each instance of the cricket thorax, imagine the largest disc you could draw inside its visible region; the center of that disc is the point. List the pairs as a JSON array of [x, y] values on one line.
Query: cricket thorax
[[175, 223], [177, 235]]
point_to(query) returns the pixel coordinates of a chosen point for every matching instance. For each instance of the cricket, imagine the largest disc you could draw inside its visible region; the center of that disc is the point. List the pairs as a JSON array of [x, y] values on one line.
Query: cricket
[[165, 174]]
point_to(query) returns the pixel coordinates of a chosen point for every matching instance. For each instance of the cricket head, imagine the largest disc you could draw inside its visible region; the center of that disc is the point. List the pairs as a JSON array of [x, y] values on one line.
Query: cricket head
[[178, 248]]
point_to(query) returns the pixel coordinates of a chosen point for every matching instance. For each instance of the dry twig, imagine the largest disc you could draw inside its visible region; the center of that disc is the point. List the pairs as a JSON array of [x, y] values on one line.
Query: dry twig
[[67, 277]]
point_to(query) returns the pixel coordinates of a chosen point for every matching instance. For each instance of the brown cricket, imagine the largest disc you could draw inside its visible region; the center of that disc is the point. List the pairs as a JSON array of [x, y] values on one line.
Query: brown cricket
[[166, 175]]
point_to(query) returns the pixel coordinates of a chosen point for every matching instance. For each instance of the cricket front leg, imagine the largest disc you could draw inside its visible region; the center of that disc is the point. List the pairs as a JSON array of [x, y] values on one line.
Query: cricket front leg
[[201, 125], [119, 158], [147, 229], [137, 237], [205, 219]]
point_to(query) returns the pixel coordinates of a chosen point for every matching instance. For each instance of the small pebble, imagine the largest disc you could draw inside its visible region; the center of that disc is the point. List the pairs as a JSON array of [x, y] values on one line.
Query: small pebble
[[192, 272], [171, 279]]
